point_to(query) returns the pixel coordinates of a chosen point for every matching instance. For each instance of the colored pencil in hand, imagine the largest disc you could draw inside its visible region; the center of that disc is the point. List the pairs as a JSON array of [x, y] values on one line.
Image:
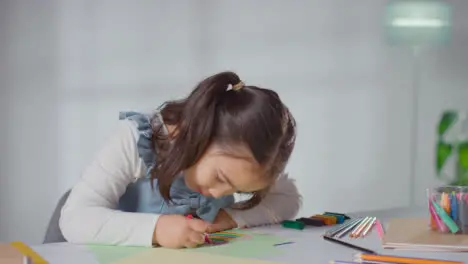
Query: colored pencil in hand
[[349, 228], [207, 238]]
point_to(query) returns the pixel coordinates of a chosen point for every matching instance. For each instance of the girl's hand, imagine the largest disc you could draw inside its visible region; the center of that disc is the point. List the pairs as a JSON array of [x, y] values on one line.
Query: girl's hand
[[223, 221], [176, 231]]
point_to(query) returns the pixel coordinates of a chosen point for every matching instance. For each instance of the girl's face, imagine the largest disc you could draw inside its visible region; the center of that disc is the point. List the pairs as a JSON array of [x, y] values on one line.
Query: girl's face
[[218, 173]]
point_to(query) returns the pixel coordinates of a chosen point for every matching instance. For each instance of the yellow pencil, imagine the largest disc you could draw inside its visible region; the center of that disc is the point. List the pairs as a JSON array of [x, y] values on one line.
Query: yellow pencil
[[27, 251]]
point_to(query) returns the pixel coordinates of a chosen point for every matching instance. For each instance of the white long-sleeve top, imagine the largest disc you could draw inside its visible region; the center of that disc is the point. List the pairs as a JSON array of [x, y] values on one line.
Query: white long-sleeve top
[[90, 214]]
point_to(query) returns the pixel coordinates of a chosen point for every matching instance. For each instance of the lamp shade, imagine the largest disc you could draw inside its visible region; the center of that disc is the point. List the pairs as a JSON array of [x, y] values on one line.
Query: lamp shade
[[418, 22]]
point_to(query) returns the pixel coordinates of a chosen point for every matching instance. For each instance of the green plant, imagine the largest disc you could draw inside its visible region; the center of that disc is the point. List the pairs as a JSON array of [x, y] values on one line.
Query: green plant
[[452, 143]]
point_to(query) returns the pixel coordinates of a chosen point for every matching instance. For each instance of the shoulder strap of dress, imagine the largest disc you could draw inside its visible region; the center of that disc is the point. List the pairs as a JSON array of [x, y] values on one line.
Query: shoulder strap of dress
[[144, 129]]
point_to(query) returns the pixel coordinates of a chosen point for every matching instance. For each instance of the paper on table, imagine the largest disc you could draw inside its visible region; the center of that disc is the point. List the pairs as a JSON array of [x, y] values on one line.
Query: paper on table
[[251, 246], [163, 255], [111, 254]]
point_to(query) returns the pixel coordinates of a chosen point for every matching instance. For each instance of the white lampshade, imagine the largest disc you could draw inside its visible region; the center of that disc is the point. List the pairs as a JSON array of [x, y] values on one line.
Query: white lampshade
[[418, 22]]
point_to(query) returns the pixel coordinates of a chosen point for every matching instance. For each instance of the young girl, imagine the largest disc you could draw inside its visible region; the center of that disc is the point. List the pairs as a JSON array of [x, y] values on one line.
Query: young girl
[[188, 158]]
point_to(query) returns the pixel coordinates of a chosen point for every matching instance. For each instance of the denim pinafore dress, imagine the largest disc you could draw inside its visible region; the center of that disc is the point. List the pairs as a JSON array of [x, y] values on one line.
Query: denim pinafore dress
[[140, 197]]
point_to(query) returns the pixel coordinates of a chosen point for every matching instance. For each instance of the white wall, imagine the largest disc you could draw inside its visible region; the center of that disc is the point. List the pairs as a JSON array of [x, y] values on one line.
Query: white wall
[[443, 85], [29, 151], [73, 65]]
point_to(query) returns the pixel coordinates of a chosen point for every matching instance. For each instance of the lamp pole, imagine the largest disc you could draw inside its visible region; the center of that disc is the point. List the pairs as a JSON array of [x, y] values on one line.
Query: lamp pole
[[415, 83]]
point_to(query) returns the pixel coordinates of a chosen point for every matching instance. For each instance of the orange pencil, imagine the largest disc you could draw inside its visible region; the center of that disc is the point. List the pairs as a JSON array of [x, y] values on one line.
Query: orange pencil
[[401, 260], [445, 202], [369, 227], [360, 228]]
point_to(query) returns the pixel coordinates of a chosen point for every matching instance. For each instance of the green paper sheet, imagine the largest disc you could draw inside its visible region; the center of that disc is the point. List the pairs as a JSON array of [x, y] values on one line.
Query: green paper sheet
[[252, 246], [111, 254]]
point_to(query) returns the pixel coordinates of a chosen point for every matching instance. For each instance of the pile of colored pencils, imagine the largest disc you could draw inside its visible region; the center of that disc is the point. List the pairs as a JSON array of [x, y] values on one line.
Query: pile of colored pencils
[[356, 228]]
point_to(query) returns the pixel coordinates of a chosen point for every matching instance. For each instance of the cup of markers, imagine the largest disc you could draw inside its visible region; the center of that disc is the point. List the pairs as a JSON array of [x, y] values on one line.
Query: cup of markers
[[448, 209]]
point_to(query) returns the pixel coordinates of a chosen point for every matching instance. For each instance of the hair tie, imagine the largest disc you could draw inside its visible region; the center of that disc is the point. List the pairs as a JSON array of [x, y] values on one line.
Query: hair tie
[[238, 86]]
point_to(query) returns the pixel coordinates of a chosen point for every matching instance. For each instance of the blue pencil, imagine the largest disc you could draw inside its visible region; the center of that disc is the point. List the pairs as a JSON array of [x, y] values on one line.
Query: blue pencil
[[454, 207]]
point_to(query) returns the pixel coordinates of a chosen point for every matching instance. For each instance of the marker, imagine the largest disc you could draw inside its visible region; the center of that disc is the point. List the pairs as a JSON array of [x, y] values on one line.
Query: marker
[[332, 213], [311, 222], [339, 218], [293, 224], [329, 220]]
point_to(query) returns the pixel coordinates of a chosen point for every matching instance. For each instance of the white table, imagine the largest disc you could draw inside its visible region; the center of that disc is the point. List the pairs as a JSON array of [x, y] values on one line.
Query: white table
[[309, 246]]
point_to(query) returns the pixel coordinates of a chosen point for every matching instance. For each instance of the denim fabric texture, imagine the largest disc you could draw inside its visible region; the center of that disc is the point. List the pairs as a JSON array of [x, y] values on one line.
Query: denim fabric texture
[[141, 197]]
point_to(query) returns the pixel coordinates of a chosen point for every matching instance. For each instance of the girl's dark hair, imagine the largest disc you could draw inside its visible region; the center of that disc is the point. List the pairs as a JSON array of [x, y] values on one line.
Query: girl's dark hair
[[212, 113]]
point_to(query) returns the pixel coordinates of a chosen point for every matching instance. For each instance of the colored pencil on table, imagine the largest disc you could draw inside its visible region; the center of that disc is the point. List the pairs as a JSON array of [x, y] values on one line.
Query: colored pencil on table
[[340, 228], [357, 227], [401, 260], [369, 227], [349, 245], [349, 228], [358, 230]]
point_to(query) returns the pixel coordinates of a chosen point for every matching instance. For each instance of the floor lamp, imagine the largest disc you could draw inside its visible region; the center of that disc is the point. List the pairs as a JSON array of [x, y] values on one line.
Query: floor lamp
[[417, 24]]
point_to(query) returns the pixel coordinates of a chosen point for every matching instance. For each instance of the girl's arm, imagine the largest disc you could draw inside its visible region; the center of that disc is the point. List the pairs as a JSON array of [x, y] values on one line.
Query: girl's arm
[[90, 215], [281, 203]]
